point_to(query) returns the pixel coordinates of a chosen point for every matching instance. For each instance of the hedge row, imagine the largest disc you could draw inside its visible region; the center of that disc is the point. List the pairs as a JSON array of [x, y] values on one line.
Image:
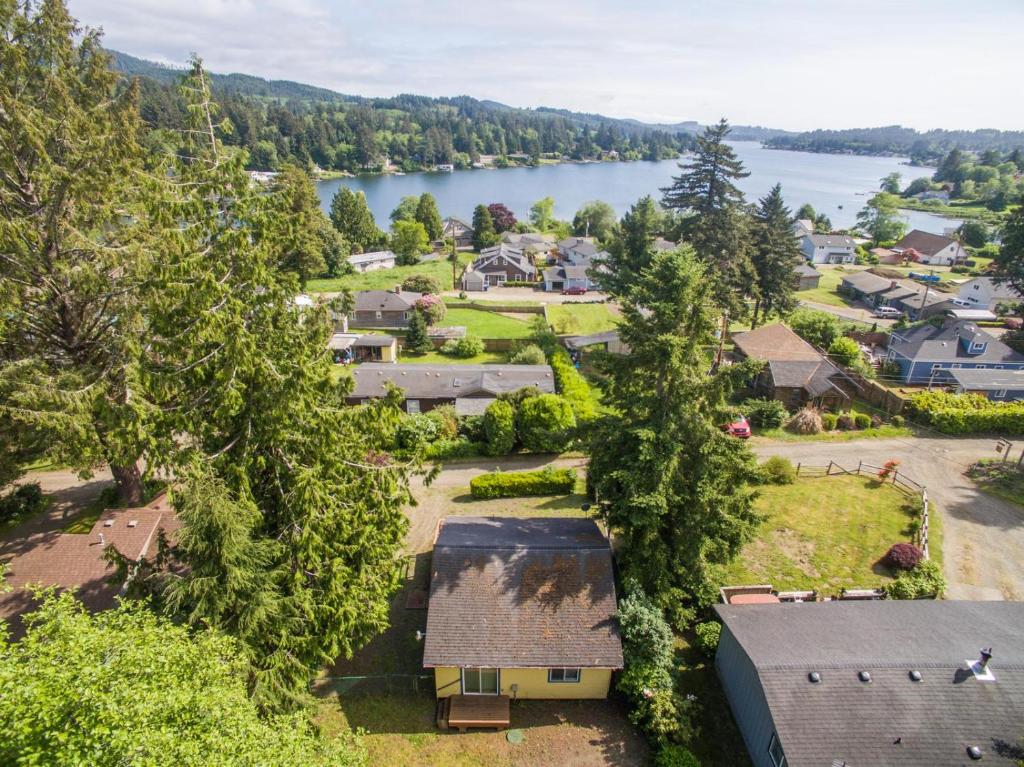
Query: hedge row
[[968, 413], [515, 484], [572, 385]]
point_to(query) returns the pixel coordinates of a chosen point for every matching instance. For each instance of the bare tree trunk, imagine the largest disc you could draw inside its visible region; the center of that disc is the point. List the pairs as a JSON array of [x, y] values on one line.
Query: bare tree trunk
[[757, 309], [129, 484]]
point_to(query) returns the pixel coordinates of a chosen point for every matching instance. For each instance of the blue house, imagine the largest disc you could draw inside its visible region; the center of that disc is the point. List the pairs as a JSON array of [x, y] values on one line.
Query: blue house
[[928, 354]]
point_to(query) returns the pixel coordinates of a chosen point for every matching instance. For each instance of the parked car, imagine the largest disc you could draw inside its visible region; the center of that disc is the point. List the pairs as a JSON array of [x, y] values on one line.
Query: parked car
[[738, 428], [574, 292], [888, 312]]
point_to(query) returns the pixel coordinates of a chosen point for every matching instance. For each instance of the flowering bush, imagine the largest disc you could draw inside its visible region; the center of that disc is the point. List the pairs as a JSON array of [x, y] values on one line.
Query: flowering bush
[[887, 470], [432, 308]]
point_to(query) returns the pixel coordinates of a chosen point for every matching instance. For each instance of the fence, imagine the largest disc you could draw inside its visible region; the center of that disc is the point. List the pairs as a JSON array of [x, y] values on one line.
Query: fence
[[374, 684], [494, 306], [877, 395], [887, 474]]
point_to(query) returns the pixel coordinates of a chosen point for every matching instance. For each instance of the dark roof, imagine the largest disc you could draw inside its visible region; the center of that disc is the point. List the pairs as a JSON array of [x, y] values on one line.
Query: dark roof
[[375, 339], [925, 243], [806, 270], [579, 342], [448, 381], [927, 342], [891, 720], [775, 342], [987, 379], [814, 377], [869, 282], [509, 252], [385, 300], [522, 593]]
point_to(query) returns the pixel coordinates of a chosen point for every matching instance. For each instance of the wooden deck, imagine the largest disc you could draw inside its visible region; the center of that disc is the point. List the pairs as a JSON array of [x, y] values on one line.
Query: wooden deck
[[464, 711]]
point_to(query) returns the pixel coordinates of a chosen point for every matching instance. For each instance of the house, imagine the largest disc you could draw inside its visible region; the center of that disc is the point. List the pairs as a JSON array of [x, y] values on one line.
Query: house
[[498, 265], [926, 353], [886, 256], [866, 286], [884, 682], [77, 561], [356, 347], [608, 340], [383, 308], [522, 608], [471, 388], [986, 293], [531, 243], [829, 248], [457, 230], [806, 277], [796, 373], [371, 262], [931, 248], [997, 385], [575, 249], [803, 227], [566, 277]]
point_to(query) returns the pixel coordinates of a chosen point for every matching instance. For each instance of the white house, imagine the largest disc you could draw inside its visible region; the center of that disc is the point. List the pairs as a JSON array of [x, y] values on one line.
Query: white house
[[829, 249], [371, 262], [803, 227], [986, 293], [931, 248]]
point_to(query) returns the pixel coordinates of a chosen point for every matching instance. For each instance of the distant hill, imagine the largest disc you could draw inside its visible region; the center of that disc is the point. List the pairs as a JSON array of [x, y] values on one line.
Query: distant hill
[[923, 147]]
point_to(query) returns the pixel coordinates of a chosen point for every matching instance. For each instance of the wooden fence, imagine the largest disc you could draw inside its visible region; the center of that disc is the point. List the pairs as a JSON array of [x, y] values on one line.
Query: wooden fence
[[877, 395], [891, 476]]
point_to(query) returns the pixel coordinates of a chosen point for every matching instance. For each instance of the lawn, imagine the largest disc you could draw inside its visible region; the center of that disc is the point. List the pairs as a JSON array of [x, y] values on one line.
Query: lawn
[[581, 319], [1001, 479], [826, 534], [826, 293], [885, 431], [386, 279], [436, 358], [484, 324]]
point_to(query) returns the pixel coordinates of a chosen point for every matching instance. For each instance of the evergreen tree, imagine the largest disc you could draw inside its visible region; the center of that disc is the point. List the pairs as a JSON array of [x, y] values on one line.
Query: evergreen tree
[[1009, 264], [428, 215], [300, 239], [290, 505], [672, 487], [71, 245], [631, 249], [333, 249], [775, 255], [416, 338], [717, 224], [484, 235], [949, 168], [351, 216]]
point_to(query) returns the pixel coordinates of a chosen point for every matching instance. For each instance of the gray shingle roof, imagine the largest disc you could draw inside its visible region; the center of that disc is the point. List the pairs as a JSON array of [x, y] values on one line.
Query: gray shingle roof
[[814, 377], [987, 379], [832, 240], [867, 282], [367, 258], [448, 381], [533, 593], [385, 300], [927, 342], [504, 250], [857, 723], [806, 270]]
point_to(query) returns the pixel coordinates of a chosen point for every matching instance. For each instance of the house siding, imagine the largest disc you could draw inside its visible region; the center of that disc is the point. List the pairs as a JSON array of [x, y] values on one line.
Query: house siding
[[532, 683], [920, 371], [746, 698], [388, 319]]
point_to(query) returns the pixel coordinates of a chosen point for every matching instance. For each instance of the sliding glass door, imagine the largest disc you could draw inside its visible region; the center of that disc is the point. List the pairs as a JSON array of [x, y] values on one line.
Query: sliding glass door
[[480, 681]]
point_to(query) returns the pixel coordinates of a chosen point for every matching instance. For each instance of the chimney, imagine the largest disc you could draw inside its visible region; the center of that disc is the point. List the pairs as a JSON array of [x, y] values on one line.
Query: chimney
[[986, 656], [103, 541], [398, 290]]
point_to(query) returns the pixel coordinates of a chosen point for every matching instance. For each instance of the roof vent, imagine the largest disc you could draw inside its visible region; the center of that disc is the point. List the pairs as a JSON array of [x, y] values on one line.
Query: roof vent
[[133, 523], [974, 752], [456, 382], [108, 523], [814, 677], [864, 676], [915, 676]]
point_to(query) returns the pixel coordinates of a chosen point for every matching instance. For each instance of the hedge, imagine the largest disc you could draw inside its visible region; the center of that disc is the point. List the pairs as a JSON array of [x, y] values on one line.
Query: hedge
[[500, 428], [967, 413], [515, 484], [546, 423], [461, 447], [573, 386]]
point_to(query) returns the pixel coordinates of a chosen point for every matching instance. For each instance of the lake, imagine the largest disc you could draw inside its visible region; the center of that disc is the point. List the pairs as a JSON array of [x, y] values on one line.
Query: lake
[[837, 185]]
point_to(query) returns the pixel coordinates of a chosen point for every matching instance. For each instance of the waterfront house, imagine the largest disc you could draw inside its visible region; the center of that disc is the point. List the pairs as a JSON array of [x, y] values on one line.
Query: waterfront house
[[457, 230], [806, 277], [522, 608], [829, 248], [875, 682], [497, 265], [531, 243], [986, 293], [383, 308], [470, 388], [927, 353], [928, 248], [370, 262], [795, 372]]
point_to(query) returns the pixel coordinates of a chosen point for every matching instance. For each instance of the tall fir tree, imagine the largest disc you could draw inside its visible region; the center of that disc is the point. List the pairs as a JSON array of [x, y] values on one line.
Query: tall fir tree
[[428, 214], [775, 255], [352, 217], [672, 487], [632, 247], [71, 246], [484, 235], [1009, 263], [416, 338], [300, 238], [716, 223]]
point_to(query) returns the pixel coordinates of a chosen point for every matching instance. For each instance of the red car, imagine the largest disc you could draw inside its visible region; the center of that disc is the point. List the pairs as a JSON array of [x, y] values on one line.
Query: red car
[[738, 428], [574, 292]]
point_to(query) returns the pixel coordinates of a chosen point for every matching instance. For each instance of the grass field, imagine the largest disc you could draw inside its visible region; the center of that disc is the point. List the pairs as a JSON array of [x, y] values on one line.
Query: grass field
[[581, 319], [485, 324], [826, 293], [885, 431], [826, 534], [385, 279], [436, 358]]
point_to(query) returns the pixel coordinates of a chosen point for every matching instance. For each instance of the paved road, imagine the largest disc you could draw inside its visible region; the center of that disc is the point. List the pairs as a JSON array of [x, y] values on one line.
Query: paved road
[[859, 313], [983, 536]]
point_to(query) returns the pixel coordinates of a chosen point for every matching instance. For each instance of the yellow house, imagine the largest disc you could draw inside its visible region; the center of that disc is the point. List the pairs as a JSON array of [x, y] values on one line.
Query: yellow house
[[522, 608]]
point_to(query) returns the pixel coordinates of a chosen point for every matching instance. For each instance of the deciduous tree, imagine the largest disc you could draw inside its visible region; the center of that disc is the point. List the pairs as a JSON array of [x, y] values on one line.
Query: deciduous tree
[[542, 213], [503, 218], [594, 219], [880, 218], [409, 241]]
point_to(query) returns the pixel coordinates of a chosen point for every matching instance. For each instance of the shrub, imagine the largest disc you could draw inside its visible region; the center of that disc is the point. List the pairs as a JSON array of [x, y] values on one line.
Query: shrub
[[707, 636], [862, 420], [828, 421], [675, 756], [499, 427], [515, 484], [815, 327], [472, 428], [415, 431], [806, 421], [876, 421], [21, 502], [421, 283], [898, 420], [903, 556], [464, 348], [432, 308], [845, 422], [531, 354], [845, 351], [778, 471], [924, 581], [967, 413], [460, 447], [765, 413], [446, 421], [572, 385], [545, 424]]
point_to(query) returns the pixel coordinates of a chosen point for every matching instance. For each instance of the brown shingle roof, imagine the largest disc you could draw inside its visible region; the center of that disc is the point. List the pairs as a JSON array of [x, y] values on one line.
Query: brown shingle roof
[[522, 593], [775, 342], [925, 243]]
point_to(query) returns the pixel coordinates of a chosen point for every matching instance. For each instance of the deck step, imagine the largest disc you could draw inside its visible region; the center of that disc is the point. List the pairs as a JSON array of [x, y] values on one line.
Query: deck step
[[441, 712]]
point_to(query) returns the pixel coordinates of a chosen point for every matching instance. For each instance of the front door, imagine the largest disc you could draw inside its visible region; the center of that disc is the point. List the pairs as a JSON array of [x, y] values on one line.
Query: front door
[[480, 681]]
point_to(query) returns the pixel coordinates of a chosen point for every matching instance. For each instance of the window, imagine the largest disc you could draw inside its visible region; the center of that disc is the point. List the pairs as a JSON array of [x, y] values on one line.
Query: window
[[378, 315], [775, 752], [1000, 394], [412, 406], [480, 681], [406, 315], [563, 675]]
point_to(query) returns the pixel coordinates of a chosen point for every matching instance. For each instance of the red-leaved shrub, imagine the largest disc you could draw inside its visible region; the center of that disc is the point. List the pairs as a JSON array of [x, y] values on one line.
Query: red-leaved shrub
[[903, 556]]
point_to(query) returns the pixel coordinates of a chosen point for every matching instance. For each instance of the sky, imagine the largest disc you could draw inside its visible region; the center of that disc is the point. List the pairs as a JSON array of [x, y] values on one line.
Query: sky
[[792, 64]]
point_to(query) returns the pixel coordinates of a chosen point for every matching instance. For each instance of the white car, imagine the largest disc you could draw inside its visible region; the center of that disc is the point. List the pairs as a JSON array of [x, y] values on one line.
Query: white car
[[888, 312]]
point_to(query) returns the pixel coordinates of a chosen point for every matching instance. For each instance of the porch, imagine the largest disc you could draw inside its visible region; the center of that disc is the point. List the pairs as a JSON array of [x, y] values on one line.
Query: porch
[[461, 712]]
